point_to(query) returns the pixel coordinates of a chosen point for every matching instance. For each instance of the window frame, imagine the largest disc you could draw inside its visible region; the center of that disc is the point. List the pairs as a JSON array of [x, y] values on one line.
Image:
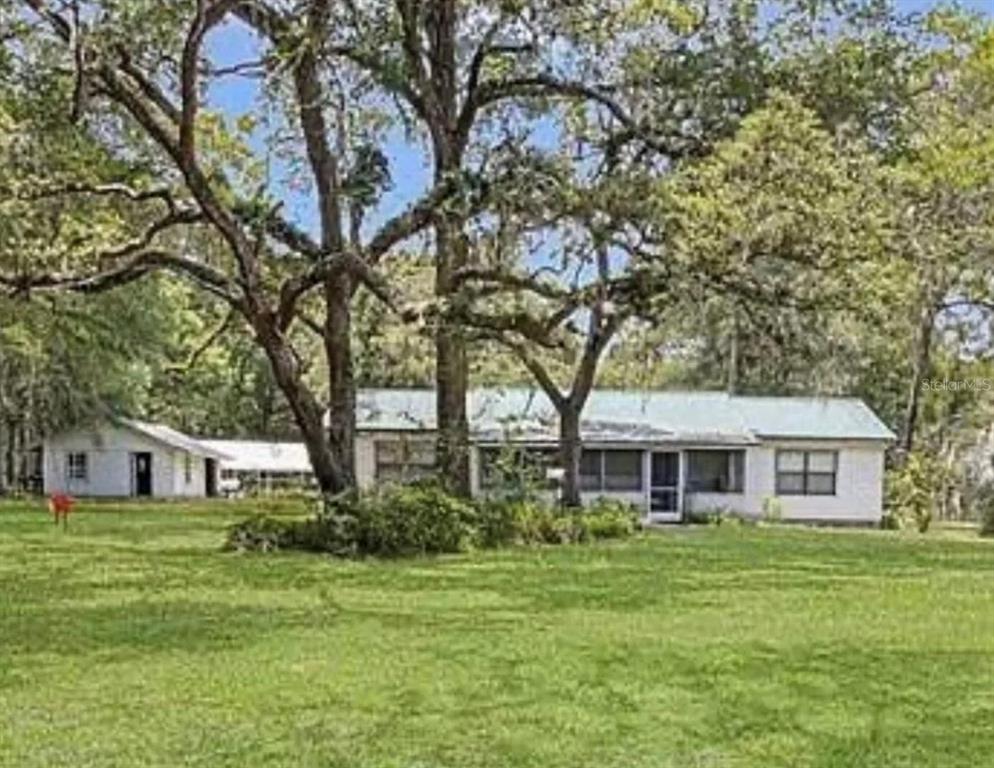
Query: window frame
[[733, 457], [407, 469], [537, 459], [806, 473], [77, 466], [601, 485]]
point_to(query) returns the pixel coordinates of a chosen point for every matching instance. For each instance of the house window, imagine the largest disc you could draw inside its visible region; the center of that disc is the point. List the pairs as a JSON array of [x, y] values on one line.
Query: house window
[[591, 470], [715, 471], [188, 468], [610, 470], [509, 466], [806, 473], [403, 460], [76, 466]]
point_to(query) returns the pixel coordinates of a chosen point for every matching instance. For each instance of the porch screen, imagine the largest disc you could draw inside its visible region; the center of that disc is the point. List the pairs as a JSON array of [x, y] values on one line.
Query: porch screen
[[715, 471], [610, 470]]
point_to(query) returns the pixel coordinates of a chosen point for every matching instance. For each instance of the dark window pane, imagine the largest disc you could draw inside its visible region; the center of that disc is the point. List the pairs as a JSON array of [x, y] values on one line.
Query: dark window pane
[[665, 469], [790, 461], [790, 482], [664, 501], [821, 461], [622, 470], [715, 471], [590, 471], [707, 471], [821, 483]]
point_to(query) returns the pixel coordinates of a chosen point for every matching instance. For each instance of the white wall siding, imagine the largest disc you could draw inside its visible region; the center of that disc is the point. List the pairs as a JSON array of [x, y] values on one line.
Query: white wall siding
[[109, 452], [859, 481], [365, 460], [858, 485], [197, 485]]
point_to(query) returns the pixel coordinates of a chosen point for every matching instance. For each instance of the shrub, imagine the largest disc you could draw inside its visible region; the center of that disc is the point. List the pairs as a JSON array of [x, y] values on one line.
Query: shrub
[[911, 490], [983, 506], [502, 522], [393, 522], [709, 516], [413, 519], [772, 509], [987, 522], [890, 521], [607, 519], [423, 519], [535, 523], [259, 533]]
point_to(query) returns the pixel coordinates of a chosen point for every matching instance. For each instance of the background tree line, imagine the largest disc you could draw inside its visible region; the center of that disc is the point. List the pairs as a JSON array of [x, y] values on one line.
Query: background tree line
[[772, 198]]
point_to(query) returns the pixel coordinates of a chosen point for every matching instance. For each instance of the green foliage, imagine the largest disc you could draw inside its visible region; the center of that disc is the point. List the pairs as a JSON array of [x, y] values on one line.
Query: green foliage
[[423, 519], [983, 508], [772, 509], [607, 518], [911, 490], [503, 522], [399, 521], [259, 533], [890, 521], [412, 519], [516, 474], [710, 516]]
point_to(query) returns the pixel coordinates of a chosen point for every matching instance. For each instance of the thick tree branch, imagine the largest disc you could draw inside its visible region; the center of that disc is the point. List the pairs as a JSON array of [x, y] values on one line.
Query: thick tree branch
[[129, 271], [549, 86], [163, 194]]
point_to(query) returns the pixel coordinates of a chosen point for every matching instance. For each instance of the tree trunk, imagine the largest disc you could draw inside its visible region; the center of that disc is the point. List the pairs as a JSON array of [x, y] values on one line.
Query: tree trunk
[[3, 455], [451, 368], [732, 381], [307, 411], [920, 371], [451, 248], [341, 381], [570, 450]]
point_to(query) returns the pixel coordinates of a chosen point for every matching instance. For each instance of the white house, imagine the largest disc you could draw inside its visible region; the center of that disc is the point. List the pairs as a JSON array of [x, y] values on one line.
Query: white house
[[669, 453], [122, 457]]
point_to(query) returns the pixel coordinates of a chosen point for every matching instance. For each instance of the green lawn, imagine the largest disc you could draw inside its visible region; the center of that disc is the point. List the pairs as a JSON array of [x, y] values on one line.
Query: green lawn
[[132, 641]]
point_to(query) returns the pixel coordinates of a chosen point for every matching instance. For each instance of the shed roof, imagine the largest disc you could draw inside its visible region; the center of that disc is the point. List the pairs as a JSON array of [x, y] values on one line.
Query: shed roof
[[633, 416], [171, 437], [261, 456]]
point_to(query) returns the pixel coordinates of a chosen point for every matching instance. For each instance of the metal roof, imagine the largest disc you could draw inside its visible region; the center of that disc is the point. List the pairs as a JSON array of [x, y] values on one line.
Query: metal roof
[[260, 456], [633, 416], [171, 437]]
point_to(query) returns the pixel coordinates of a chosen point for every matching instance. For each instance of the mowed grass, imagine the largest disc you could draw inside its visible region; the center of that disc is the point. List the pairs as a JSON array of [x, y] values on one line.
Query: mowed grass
[[131, 640]]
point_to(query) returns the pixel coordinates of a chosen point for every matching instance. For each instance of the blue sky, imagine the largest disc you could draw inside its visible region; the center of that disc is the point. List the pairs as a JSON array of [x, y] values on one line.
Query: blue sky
[[235, 96]]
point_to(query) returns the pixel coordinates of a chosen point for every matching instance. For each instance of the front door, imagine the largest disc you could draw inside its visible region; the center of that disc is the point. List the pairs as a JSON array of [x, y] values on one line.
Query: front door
[[143, 474], [210, 478], [664, 486]]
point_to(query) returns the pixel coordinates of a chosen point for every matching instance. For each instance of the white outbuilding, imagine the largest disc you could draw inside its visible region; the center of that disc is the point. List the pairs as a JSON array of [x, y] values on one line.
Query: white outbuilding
[[258, 465], [127, 458]]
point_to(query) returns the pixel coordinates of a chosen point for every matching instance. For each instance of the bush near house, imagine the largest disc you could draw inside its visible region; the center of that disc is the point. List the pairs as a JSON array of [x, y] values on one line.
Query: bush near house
[[910, 492], [422, 519], [983, 507]]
